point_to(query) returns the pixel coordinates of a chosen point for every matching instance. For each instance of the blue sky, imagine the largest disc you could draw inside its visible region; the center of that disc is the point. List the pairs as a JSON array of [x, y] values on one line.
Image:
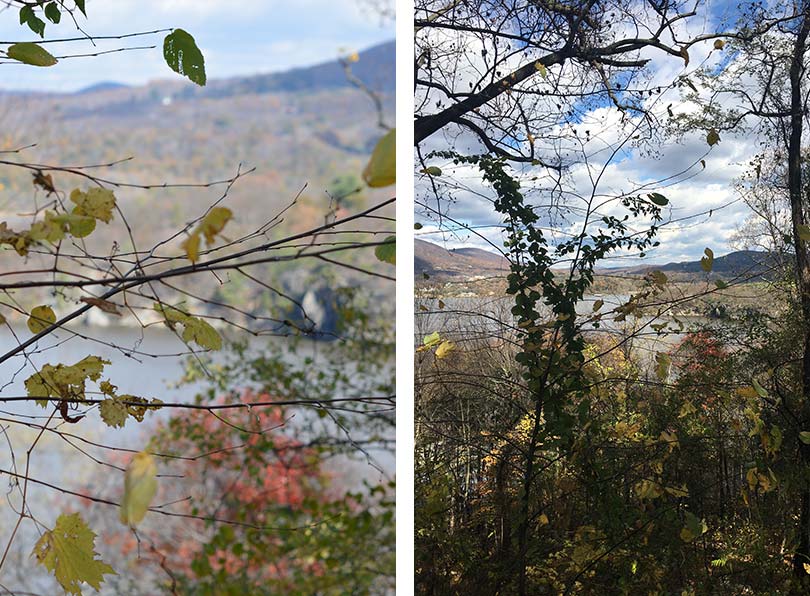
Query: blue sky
[[237, 38]]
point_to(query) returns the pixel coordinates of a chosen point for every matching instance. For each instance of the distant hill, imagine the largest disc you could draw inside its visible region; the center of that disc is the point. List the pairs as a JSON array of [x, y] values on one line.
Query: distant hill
[[373, 68], [461, 263], [102, 86], [746, 263]]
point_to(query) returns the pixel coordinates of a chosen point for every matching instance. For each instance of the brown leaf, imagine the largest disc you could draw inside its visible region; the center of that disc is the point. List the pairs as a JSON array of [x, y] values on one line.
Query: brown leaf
[[44, 181], [104, 305]]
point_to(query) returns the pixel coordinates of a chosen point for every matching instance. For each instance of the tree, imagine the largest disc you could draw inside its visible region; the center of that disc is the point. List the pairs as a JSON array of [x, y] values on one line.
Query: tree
[[60, 270]]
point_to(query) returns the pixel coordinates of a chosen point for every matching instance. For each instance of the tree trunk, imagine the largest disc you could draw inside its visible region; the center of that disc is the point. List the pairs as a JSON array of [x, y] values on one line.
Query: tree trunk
[[802, 554]]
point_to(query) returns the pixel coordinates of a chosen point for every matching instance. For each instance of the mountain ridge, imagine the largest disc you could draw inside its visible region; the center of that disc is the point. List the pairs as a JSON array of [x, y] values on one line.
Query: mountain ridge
[[436, 261], [321, 75]]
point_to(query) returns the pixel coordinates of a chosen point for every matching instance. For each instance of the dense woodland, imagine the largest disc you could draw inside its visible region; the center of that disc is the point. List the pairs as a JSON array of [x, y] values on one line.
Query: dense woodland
[[573, 442]]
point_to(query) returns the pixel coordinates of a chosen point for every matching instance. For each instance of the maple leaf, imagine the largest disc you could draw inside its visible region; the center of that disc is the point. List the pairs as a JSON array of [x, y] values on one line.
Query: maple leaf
[[68, 551]]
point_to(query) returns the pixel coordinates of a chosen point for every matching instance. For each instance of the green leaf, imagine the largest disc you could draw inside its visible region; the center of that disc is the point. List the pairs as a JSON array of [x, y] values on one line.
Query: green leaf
[[759, 388], [658, 199], [804, 437], [36, 25], [78, 225], [194, 329], [184, 57], [140, 486], [707, 262], [31, 53], [66, 382], [68, 551], [26, 12], [803, 231], [432, 339], [663, 362], [80, 6], [201, 333], [52, 13], [598, 304], [432, 171], [41, 318], [113, 412], [658, 277], [417, 226], [541, 68], [381, 169], [712, 138], [694, 527], [721, 285], [387, 253]]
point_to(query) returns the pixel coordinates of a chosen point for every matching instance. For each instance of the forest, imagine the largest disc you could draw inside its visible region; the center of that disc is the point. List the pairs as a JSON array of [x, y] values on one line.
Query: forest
[[197, 389], [616, 398]]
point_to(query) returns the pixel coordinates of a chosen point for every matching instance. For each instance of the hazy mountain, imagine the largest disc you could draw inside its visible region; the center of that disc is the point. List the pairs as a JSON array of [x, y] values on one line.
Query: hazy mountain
[[374, 67], [102, 86], [743, 263]]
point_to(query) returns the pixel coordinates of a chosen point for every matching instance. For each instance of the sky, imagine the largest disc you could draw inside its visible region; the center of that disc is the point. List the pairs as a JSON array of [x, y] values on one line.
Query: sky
[[709, 189], [237, 38]]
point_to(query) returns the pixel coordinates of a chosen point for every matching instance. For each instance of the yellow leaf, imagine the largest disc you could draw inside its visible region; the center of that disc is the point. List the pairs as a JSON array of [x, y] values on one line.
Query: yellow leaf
[[213, 223], [97, 202], [68, 551], [542, 520], [686, 409], [678, 491], [647, 489], [192, 247], [445, 348], [140, 486], [41, 318], [381, 169], [718, 44]]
